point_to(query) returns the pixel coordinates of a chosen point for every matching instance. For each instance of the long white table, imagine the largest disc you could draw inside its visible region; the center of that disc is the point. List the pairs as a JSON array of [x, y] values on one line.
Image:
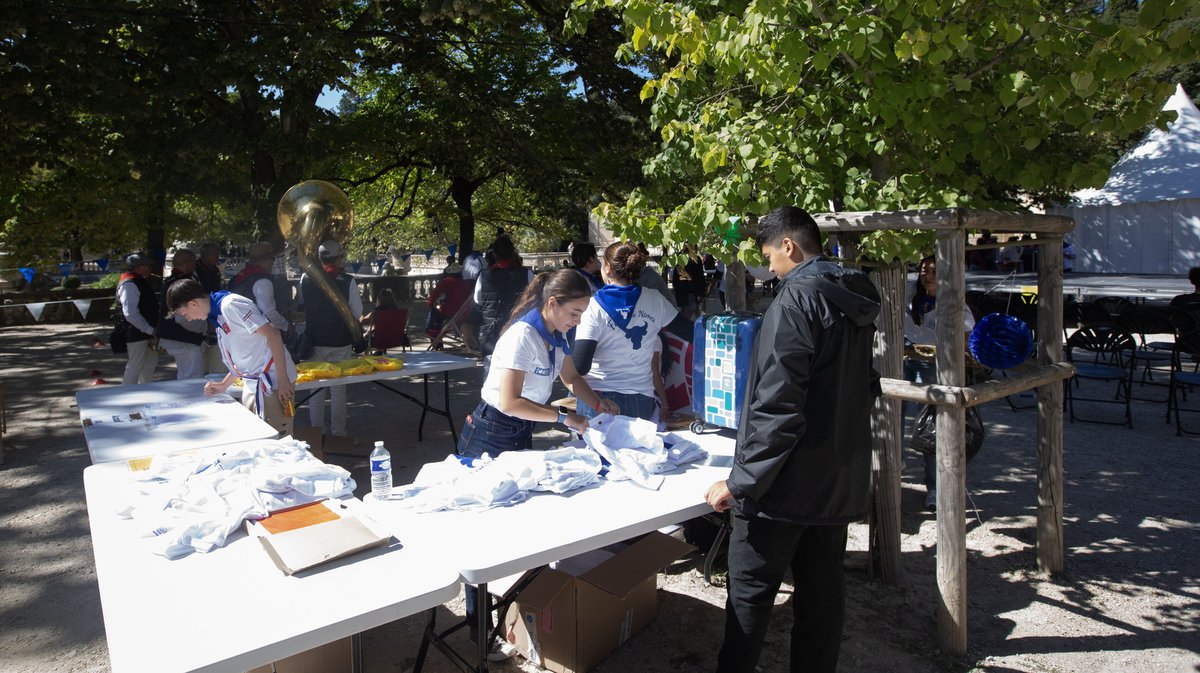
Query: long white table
[[489, 545], [204, 421], [232, 609], [415, 364]]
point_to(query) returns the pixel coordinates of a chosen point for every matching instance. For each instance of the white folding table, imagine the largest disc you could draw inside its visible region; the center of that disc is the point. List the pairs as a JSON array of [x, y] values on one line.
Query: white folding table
[[231, 609], [415, 364], [201, 421], [486, 546]]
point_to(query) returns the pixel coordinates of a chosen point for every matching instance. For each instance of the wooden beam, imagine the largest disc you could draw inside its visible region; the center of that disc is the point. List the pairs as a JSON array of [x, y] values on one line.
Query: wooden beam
[[866, 221], [1015, 220], [923, 393], [951, 445], [1050, 413], [887, 424], [987, 391]]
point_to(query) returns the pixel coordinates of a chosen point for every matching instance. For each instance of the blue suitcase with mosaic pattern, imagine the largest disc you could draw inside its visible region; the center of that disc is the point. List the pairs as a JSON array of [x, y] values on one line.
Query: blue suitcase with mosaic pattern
[[721, 351]]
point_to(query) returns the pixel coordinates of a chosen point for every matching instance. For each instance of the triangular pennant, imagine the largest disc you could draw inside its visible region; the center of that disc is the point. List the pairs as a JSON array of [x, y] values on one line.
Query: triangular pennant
[[84, 305], [36, 310]]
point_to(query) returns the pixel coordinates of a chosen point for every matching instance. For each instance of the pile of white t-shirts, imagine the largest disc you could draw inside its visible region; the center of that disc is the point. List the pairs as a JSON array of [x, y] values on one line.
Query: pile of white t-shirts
[[635, 450], [191, 502], [504, 480]]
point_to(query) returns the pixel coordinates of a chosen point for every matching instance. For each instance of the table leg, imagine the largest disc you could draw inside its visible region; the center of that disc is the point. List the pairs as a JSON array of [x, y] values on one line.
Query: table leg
[[356, 653], [424, 407], [483, 612], [449, 416], [428, 637]]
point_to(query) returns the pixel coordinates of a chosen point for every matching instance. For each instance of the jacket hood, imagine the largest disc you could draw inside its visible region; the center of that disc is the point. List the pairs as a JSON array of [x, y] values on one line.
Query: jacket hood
[[850, 290]]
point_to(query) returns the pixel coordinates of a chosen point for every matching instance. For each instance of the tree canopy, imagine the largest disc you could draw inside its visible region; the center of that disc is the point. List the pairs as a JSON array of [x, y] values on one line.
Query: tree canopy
[[888, 105], [136, 122]]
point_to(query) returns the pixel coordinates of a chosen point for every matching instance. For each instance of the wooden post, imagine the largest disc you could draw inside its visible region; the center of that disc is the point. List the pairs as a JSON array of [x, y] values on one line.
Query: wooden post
[[1050, 410], [735, 287], [886, 422], [951, 445]]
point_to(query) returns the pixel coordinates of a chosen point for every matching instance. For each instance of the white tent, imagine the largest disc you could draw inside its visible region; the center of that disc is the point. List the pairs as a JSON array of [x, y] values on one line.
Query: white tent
[[1146, 218]]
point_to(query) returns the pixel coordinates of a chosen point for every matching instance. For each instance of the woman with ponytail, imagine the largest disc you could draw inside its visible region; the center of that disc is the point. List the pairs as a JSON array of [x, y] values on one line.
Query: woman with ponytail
[[617, 345], [531, 351]]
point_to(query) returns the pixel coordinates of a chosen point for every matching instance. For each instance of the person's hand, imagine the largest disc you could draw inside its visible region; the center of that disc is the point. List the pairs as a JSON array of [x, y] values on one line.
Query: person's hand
[[719, 497], [215, 387], [285, 389], [607, 406], [576, 422]]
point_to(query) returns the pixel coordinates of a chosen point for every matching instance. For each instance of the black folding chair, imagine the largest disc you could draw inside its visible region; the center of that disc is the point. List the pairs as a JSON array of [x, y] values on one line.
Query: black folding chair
[[1141, 322], [1186, 345], [1111, 350]]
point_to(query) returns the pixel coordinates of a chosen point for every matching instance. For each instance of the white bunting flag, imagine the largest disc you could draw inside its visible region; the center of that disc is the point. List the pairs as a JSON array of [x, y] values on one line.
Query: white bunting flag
[[36, 310], [84, 305]]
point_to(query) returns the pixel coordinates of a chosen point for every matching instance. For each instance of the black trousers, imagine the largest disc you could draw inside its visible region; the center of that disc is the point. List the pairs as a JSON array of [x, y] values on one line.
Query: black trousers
[[760, 553]]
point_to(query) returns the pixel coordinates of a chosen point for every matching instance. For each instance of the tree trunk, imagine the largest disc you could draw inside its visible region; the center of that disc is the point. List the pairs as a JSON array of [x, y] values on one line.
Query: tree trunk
[[462, 190]]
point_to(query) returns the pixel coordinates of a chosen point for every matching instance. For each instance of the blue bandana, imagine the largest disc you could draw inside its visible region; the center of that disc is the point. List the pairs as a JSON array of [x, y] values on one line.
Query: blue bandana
[[592, 280], [557, 340], [214, 307], [618, 302]]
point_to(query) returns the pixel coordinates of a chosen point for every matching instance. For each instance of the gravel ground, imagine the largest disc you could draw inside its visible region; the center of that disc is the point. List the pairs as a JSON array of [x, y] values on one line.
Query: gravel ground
[[1127, 601]]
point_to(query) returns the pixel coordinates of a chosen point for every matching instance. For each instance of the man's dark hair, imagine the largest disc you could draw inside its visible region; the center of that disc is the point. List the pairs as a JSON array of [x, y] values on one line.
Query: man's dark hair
[[789, 222], [581, 254], [1194, 275], [184, 291]]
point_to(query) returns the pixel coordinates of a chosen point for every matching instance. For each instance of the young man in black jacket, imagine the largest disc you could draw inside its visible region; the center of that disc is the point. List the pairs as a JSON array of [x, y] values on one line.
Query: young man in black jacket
[[802, 467]]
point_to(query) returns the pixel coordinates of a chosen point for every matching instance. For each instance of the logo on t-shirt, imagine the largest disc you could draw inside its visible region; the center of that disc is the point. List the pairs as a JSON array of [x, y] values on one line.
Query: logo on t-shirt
[[624, 313], [541, 371]]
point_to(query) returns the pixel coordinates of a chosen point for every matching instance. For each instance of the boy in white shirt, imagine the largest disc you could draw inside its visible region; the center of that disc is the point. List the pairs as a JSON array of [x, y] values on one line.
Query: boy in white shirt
[[251, 347]]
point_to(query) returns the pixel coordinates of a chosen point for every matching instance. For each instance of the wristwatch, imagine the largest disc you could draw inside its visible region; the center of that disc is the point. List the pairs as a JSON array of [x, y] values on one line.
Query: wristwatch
[[562, 418]]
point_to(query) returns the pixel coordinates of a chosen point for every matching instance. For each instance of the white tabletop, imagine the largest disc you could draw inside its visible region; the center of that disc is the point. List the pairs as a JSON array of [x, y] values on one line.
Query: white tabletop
[[415, 364], [232, 609], [486, 546], [204, 421]]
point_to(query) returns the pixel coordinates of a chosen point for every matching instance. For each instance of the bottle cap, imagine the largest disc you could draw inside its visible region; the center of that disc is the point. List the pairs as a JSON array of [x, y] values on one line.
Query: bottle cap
[[379, 443]]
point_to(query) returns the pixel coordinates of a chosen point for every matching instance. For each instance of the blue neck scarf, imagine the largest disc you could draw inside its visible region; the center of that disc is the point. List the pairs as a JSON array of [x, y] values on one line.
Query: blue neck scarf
[[214, 306], [556, 339], [592, 280], [618, 302]]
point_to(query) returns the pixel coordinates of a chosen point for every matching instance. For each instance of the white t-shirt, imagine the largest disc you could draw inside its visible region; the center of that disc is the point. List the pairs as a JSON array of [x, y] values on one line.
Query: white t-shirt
[[244, 350], [619, 367], [520, 347], [925, 334]]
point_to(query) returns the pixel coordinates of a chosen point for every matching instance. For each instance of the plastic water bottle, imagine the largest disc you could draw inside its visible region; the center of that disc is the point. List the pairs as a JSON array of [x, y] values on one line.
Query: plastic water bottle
[[381, 472]]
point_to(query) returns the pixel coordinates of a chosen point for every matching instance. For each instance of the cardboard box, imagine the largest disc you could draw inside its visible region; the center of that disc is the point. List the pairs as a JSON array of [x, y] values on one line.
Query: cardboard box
[[320, 444], [573, 615], [303, 537], [332, 657]]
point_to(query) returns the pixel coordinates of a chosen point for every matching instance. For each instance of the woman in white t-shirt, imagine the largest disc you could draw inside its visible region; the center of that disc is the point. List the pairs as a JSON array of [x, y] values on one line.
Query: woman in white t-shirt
[[617, 347], [530, 353]]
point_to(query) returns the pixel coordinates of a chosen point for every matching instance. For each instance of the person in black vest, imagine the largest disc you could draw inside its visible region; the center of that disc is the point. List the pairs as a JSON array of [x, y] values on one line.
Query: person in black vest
[[139, 315], [254, 283], [180, 337], [208, 269], [325, 328], [497, 290]]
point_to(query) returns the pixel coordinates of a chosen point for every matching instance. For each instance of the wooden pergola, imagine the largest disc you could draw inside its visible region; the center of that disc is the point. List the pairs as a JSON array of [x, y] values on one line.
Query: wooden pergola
[[952, 396]]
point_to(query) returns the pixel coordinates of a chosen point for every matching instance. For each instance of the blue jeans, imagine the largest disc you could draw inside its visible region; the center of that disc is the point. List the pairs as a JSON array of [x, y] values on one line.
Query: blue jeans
[[630, 404], [921, 371], [488, 430]]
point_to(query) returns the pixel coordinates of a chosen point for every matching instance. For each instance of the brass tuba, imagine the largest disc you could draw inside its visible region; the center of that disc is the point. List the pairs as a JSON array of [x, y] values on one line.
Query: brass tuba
[[308, 214]]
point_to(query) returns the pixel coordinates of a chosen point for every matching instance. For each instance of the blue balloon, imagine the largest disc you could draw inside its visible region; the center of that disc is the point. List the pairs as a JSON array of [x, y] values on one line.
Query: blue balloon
[[1001, 341]]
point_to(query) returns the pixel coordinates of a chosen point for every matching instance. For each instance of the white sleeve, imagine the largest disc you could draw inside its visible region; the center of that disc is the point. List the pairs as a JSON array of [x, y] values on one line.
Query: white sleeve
[[356, 305], [241, 311], [264, 297], [591, 322], [479, 289], [517, 349], [130, 296]]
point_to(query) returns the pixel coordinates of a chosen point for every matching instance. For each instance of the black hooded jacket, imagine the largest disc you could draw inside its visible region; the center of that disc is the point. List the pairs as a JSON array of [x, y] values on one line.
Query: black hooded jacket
[[804, 439]]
